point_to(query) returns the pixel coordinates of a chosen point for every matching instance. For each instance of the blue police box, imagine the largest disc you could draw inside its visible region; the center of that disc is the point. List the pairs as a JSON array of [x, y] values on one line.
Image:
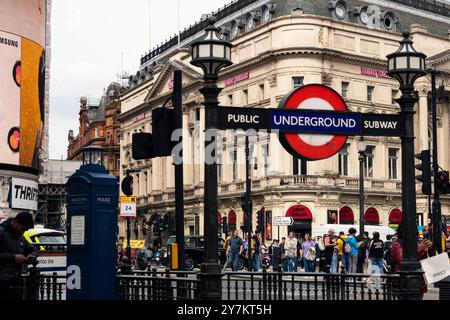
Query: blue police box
[[92, 200]]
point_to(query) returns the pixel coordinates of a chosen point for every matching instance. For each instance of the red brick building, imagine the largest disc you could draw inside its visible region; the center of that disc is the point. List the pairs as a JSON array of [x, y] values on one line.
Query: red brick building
[[99, 127]]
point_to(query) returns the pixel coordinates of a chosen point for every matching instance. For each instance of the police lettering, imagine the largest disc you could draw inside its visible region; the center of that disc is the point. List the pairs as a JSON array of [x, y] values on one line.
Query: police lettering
[[241, 118]]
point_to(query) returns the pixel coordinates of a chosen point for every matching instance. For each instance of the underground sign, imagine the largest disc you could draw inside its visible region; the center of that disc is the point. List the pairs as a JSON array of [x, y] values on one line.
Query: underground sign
[[312, 98]]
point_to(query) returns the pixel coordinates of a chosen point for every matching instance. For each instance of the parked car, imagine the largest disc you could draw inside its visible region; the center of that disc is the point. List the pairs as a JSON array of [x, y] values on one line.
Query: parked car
[[194, 249]]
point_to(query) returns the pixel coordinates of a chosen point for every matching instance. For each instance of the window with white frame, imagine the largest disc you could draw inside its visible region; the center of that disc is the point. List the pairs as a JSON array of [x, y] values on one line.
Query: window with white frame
[[393, 163], [297, 82], [343, 161], [370, 153], [344, 89]]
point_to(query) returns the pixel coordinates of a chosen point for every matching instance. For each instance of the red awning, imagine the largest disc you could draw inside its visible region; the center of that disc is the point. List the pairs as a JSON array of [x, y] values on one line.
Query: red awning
[[346, 215], [299, 212], [371, 215], [232, 217], [395, 217]]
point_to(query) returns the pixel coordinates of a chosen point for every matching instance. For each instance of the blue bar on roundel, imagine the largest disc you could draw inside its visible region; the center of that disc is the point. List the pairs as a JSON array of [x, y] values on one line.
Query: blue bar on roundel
[[341, 123]]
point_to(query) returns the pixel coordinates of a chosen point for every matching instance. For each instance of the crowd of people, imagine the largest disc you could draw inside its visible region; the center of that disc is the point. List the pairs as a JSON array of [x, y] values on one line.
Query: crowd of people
[[346, 253]]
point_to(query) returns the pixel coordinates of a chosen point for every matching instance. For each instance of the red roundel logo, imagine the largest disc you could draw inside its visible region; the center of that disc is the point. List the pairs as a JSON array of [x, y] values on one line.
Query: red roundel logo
[[313, 146]]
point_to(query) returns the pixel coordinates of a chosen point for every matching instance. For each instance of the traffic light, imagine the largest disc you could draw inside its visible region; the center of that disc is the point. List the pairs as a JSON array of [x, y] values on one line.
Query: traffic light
[[127, 186], [260, 221], [166, 222], [425, 167], [443, 183], [224, 225], [162, 128], [243, 206], [141, 146]]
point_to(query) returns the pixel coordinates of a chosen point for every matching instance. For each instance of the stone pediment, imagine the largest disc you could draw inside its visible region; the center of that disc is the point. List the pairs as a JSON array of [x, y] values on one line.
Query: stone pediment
[[164, 82]]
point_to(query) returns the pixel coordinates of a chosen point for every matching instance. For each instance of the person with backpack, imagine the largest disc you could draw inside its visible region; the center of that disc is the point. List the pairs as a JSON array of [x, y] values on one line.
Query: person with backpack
[[335, 258], [320, 249], [342, 255], [362, 252], [351, 247], [290, 248], [376, 253], [308, 254]]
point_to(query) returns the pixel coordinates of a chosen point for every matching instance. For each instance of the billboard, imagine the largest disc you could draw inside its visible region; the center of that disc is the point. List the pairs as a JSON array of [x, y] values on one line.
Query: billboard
[[22, 75]]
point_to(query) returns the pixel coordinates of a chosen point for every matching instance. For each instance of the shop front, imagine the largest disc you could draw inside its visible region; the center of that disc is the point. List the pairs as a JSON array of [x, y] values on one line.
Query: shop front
[[371, 217], [302, 217], [231, 221], [395, 217], [346, 215]]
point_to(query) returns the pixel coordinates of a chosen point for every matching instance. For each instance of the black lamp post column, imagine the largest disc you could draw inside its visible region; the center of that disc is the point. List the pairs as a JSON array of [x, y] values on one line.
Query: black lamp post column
[[210, 276], [210, 53], [407, 65], [410, 268]]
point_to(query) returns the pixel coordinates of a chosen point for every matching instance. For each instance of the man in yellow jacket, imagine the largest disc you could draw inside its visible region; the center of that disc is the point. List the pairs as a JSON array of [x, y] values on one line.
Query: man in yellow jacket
[[342, 256]]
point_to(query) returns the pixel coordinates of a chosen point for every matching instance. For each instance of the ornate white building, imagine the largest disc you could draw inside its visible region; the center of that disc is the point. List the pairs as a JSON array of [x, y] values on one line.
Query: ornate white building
[[278, 46]]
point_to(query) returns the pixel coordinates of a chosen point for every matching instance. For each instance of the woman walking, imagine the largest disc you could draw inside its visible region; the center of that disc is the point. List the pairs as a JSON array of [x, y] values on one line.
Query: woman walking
[[309, 253]]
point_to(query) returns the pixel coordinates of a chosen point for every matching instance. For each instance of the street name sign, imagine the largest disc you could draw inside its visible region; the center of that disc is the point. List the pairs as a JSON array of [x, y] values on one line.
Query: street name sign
[[283, 221], [128, 207]]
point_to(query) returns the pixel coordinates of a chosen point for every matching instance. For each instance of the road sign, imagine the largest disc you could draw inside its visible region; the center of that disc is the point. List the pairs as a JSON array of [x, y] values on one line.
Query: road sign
[[313, 146], [128, 207], [283, 221]]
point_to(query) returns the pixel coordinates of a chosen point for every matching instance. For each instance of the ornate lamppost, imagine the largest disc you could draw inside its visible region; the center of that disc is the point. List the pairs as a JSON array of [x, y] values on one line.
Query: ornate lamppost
[[407, 65], [211, 54]]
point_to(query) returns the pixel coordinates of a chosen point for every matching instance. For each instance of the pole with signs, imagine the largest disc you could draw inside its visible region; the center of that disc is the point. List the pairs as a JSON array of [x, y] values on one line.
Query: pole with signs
[[128, 211]]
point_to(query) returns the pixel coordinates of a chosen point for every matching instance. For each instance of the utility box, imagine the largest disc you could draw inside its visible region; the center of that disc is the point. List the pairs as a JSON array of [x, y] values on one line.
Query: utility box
[[92, 201]]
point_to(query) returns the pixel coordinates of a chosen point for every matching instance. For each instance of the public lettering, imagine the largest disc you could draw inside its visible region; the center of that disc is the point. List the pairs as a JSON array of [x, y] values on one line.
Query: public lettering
[[241, 118]]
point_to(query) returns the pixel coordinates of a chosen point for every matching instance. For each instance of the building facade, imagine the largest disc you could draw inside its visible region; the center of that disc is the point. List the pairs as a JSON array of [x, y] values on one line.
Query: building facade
[[279, 46], [98, 127]]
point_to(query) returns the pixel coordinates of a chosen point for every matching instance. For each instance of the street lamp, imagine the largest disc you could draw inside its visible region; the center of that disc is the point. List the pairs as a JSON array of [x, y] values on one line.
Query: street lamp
[[361, 145], [407, 65], [211, 54]]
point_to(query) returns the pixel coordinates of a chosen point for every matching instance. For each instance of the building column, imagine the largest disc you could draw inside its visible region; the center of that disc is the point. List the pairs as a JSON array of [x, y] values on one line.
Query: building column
[[422, 131]]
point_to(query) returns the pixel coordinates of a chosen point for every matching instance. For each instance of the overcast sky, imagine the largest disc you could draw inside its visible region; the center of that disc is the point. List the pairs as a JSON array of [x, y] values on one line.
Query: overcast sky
[[88, 37]]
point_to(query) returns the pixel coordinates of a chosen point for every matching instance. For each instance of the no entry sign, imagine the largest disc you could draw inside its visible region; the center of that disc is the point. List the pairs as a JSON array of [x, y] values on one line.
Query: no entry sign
[[315, 146]]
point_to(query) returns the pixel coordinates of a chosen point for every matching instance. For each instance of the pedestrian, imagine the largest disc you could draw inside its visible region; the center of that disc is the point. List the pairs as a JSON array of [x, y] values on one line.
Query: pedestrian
[[425, 249], [256, 256], [320, 252], [290, 248], [235, 248], [387, 253], [362, 251], [342, 255], [308, 253], [283, 255], [15, 254], [351, 248], [329, 249], [376, 247], [335, 258], [124, 265]]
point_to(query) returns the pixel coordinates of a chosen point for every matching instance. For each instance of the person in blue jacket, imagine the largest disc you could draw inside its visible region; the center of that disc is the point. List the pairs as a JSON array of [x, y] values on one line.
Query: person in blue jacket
[[351, 246]]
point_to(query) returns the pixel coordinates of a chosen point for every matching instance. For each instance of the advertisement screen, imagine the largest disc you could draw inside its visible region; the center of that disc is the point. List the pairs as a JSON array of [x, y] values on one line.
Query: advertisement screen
[[22, 78]]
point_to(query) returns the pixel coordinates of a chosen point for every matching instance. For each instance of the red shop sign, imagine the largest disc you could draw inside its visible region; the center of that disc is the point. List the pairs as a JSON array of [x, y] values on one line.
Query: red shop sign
[[371, 215], [395, 217], [299, 212], [346, 215], [232, 217]]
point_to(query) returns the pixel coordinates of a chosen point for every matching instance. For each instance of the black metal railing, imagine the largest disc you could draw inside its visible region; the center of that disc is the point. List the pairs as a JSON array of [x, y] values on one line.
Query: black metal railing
[[36, 286], [243, 286], [157, 285], [308, 286]]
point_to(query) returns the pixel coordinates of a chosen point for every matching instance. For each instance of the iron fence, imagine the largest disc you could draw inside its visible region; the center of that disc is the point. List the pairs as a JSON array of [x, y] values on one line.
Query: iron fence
[[308, 286], [157, 285], [243, 286]]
